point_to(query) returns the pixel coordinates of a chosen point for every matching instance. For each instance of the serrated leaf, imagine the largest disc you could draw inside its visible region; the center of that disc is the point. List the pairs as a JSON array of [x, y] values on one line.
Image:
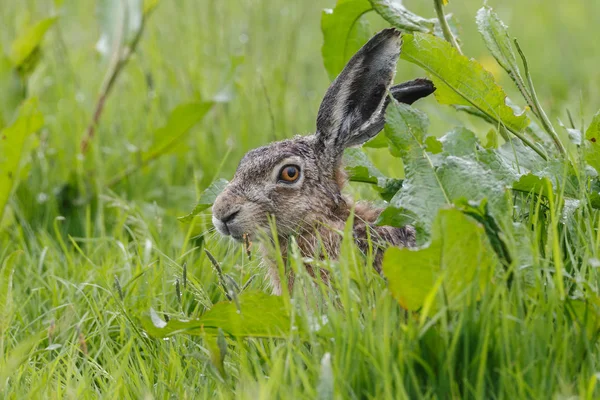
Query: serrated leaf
[[344, 32], [455, 267], [406, 129], [592, 143], [120, 23], [259, 315], [479, 211], [496, 38], [459, 142], [465, 177], [29, 41], [13, 141], [432, 182], [433, 145], [530, 183], [459, 80], [378, 142], [360, 169], [522, 156], [206, 200], [400, 17], [418, 200]]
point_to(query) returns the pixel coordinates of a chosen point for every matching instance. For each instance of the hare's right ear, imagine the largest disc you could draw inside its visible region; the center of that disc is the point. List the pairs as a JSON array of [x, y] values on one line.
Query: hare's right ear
[[356, 99]]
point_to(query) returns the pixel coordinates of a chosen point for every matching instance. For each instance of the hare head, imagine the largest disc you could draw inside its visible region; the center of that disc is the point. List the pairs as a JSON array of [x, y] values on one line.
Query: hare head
[[299, 181]]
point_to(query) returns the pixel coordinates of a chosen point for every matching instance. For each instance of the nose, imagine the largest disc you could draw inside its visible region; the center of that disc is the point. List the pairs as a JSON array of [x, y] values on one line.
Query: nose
[[229, 217]]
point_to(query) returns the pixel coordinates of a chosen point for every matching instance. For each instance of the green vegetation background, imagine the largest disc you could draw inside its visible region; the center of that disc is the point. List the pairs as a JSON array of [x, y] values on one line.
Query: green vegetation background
[[263, 59]]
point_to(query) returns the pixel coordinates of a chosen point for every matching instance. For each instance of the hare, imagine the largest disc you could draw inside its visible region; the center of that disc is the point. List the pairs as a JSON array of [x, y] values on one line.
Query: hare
[[299, 181]]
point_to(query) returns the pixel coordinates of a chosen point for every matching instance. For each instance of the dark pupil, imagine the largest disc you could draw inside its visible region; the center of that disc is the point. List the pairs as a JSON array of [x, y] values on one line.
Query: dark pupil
[[291, 172]]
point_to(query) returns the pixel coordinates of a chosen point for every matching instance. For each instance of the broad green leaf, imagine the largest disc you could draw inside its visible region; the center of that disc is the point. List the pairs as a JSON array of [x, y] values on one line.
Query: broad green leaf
[[459, 80], [434, 181], [29, 41], [592, 143], [496, 38], [531, 183], [418, 200], [360, 169], [120, 24], [344, 32], [13, 141], [6, 299], [12, 88], [459, 257], [207, 198], [479, 211], [559, 175], [433, 145], [510, 161], [180, 121], [465, 177], [398, 16], [259, 315], [406, 129], [460, 142], [378, 142]]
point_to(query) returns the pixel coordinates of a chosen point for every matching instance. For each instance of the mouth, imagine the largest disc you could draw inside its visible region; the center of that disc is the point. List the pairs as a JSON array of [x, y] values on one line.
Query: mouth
[[228, 230]]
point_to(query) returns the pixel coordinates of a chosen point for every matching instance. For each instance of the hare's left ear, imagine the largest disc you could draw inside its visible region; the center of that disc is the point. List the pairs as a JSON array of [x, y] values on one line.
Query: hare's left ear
[[356, 99]]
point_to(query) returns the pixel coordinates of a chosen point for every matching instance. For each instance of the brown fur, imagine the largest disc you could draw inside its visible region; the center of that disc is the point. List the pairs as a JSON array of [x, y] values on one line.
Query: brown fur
[[325, 234], [311, 208]]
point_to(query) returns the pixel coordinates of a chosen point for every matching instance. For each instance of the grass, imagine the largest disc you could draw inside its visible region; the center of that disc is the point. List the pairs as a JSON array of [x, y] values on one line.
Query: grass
[[92, 259]]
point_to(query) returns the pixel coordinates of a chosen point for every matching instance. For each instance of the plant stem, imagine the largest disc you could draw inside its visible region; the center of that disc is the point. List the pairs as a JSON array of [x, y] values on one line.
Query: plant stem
[[439, 10], [120, 58], [537, 107]]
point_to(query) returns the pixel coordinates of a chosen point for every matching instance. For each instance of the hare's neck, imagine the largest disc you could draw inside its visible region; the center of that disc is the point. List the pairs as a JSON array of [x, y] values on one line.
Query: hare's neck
[[322, 241], [317, 240]]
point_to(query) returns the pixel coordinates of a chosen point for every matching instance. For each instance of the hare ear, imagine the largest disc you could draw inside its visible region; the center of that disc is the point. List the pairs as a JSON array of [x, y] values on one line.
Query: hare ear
[[407, 93], [356, 99]]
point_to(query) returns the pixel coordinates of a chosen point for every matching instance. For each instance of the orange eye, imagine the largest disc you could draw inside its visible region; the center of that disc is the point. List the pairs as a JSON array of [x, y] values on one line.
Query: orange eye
[[289, 174]]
